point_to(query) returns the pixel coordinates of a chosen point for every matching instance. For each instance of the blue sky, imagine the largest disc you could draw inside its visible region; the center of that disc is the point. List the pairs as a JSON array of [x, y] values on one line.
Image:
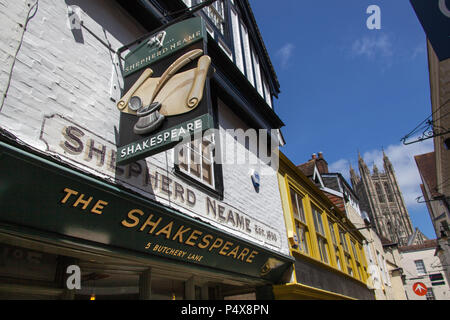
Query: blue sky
[[346, 88]]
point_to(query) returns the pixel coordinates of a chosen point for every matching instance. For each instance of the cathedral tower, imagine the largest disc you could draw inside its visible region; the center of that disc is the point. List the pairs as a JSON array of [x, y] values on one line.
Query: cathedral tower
[[380, 196]]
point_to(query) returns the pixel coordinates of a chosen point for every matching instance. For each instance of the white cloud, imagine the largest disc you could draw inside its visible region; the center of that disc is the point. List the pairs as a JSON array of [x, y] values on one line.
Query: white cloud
[[378, 44], [341, 166], [402, 159], [285, 53]]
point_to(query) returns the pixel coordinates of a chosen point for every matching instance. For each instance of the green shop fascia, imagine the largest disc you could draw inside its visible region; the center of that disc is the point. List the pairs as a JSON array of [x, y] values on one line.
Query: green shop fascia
[[40, 196]]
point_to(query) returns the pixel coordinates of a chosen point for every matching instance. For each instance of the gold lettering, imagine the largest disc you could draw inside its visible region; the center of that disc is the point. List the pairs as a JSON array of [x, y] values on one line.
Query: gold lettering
[[243, 254], [149, 222], [194, 236], [216, 244], [205, 241], [69, 193], [82, 201], [234, 252], [180, 233], [251, 256], [132, 217], [167, 230], [99, 206], [225, 248]]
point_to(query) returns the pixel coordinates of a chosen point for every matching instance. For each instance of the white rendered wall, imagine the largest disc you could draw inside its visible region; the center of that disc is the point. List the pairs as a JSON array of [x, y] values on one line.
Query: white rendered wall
[[432, 266]]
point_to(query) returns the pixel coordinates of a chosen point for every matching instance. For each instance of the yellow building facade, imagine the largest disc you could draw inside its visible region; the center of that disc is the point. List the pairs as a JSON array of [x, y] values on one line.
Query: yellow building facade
[[330, 262]]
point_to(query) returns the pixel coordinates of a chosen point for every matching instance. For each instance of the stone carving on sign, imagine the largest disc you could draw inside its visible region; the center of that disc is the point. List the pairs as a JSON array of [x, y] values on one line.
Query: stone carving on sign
[[153, 99]]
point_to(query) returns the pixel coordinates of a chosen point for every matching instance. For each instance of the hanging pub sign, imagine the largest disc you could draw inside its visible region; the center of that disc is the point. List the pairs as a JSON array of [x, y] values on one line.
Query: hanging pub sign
[[166, 93]]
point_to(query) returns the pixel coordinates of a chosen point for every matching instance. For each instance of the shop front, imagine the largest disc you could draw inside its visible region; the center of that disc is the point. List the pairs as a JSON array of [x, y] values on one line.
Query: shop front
[[56, 220]]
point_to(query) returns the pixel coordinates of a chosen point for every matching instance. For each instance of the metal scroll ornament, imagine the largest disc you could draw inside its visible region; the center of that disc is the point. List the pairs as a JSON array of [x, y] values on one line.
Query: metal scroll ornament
[[154, 99]]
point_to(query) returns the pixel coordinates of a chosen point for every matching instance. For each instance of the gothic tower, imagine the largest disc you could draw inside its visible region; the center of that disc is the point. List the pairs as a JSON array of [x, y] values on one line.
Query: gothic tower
[[380, 196]]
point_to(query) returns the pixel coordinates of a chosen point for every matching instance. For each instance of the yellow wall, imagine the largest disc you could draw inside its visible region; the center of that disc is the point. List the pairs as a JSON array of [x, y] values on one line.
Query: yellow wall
[[290, 177]]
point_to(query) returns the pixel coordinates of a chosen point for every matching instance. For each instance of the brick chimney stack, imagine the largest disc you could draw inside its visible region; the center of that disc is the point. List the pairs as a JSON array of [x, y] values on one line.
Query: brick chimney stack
[[322, 164]]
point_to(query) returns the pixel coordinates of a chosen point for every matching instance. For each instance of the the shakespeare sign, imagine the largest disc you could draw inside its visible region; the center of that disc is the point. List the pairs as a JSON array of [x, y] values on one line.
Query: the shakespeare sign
[[167, 91]]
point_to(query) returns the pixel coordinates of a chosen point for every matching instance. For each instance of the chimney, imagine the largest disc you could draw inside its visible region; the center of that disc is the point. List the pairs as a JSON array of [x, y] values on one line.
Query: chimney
[[322, 164], [314, 156]]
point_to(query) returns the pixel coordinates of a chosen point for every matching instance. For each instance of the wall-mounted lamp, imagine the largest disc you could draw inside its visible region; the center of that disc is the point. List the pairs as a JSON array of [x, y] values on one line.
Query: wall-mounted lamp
[[256, 179], [75, 17]]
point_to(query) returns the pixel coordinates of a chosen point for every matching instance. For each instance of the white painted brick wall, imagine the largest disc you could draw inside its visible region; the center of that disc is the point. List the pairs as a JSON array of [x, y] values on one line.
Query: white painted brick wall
[[55, 74], [12, 20]]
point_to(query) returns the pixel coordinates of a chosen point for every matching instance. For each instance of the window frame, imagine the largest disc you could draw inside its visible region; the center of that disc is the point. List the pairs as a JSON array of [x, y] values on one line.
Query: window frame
[[357, 258], [303, 246], [321, 235], [298, 222], [301, 213], [204, 159], [349, 263], [335, 243], [218, 190], [318, 214], [226, 36], [424, 267]]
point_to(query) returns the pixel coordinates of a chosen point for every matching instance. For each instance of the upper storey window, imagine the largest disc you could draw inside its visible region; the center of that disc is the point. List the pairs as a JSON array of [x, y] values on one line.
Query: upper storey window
[[226, 25], [216, 13]]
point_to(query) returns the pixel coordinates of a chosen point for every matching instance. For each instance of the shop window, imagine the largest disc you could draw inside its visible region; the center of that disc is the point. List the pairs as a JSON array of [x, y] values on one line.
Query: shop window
[[196, 160]]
